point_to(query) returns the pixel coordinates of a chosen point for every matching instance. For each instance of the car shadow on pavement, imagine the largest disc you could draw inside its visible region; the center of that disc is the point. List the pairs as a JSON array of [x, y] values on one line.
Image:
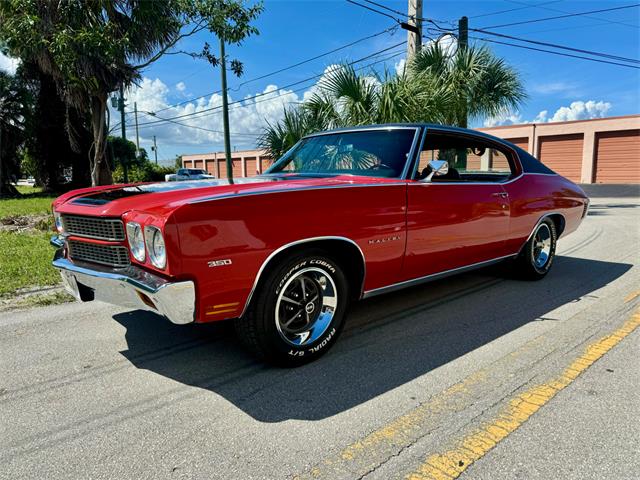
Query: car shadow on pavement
[[388, 341]]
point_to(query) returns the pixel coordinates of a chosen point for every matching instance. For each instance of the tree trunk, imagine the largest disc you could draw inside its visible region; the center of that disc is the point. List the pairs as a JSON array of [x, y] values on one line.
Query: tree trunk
[[100, 172], [50, 135]]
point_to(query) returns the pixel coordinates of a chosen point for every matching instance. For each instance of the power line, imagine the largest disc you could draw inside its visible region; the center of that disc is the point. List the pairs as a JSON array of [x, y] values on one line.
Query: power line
[[513, 9], [555, 53], [602, 20], [386, 58], [402, 14], [197, 127], [376, 11], [283, 69], [562, 47], [398, 12], [283, 87], [563, 16]]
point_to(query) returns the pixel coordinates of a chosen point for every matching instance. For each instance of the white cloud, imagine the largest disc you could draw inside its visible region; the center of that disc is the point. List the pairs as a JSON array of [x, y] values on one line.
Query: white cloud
[[181, 87], [8, 64], [565, 89], [400, 66], [578, 110], [581, 110], [246, 118], [503, 119]]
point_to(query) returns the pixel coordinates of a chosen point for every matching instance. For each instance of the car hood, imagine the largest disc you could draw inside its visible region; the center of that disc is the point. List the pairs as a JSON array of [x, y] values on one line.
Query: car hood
[[163, 197]]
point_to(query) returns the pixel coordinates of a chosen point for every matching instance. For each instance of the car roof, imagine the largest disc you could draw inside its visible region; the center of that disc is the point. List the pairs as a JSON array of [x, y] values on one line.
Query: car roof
[[445, 128]]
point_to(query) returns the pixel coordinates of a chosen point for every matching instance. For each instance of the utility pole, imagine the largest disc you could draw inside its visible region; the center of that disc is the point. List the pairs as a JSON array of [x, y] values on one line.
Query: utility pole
[[463, 42], [123, 127], [414, 33], [225, 111], [135, 111], [155, 149]]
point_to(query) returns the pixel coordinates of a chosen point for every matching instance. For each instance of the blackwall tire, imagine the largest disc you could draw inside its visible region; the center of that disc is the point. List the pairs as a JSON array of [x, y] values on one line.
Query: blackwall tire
[[297, 312], [538, 254]]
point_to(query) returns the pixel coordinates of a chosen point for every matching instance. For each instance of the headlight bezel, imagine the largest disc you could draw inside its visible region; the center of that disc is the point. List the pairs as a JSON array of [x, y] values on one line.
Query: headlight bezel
[[156, 246], [137, 246], [57, 221]]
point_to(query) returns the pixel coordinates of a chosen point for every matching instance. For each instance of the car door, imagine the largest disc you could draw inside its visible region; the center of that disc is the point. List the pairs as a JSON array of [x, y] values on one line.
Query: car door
[[461, 218]]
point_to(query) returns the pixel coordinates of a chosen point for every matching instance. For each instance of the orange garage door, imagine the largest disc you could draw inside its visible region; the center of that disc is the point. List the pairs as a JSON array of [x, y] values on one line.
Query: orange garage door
[[618, 157], [251, 167], [562, 154]]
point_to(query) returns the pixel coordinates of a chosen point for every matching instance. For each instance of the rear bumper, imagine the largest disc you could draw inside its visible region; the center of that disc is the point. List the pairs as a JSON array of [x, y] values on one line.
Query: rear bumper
[[130, 287]]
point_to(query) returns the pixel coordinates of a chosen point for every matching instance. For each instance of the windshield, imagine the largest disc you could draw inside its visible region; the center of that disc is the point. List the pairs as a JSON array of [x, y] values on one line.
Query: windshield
[[373, 153]]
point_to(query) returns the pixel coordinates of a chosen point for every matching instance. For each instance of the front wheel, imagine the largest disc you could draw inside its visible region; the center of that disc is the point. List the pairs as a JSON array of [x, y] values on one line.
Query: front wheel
[[298, 311], [537, 256]]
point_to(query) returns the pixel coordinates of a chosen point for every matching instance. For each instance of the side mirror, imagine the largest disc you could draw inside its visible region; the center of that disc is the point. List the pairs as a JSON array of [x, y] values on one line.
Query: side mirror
[[438, 168]]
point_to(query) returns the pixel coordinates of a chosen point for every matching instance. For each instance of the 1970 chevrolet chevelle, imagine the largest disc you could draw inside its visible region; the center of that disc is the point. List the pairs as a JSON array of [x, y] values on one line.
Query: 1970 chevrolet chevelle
[[343, 215]]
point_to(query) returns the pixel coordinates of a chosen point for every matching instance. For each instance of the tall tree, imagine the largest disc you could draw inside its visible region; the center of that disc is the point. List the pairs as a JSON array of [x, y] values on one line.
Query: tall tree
[[16, 108], [91, 47], [436, 87], [345, 98], [479, 83]]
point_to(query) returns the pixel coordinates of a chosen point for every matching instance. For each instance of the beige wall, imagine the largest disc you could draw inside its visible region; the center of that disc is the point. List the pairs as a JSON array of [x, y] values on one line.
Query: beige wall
[[588, 128], [246, 163]]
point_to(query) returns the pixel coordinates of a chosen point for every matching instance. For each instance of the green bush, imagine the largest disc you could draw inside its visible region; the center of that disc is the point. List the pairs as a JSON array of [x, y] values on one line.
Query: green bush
[[143, 172]]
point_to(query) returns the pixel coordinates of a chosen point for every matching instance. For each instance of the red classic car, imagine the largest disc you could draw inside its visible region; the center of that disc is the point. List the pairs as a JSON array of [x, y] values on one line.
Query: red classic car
[[343, 215]]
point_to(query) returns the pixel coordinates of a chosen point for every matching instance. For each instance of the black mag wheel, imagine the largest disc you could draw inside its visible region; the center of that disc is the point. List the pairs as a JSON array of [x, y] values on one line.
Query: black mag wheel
[[298, 310], [305, 306], [537, 256]]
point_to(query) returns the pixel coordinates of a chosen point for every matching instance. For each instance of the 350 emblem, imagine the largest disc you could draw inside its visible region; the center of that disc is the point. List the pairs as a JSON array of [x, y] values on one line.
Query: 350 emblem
[[219, 263]]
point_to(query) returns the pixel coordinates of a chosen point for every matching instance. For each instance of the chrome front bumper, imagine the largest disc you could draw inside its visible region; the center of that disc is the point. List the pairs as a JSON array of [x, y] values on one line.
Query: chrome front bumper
[[130, 287]]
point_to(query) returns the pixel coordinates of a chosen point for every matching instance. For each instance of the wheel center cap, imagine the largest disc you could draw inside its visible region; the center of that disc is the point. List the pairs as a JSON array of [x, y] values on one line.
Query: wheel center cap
[[309, 307]]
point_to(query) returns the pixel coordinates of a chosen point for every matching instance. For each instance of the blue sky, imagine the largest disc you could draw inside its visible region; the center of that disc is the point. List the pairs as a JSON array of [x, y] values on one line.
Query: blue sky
[[559, 88]]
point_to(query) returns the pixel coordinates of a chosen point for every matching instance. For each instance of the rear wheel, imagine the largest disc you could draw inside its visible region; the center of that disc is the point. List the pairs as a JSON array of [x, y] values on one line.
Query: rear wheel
[[537, 256], [298, 310]]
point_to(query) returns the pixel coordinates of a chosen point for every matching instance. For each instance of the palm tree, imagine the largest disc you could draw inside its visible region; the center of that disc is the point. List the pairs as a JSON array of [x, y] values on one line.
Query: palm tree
[[436, 87], [345, 98], [16, 109], [479, 83]]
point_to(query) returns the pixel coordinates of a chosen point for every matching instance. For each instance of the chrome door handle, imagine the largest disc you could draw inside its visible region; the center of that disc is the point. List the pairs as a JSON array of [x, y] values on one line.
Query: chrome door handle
[[500, 194]]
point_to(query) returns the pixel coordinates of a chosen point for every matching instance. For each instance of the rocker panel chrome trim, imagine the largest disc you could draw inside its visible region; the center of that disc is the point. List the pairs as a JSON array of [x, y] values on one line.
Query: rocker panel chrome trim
[[432, 277]]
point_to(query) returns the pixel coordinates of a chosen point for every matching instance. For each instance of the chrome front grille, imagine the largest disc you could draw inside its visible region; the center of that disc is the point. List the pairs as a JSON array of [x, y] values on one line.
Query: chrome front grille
[[94, 227], [112, 255]]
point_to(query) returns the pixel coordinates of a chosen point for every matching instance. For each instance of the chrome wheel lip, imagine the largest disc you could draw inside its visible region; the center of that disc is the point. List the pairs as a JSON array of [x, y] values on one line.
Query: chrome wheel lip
[[541, 246], [322, 314]]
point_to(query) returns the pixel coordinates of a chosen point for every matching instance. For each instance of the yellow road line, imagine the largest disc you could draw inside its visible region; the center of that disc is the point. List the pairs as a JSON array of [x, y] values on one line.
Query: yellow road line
[[631, 296], [450, 464]]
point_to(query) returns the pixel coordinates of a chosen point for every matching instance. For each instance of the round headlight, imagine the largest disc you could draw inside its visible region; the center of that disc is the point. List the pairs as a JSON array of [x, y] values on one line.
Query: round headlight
[[155, 246], [136, 241], [58, 221]]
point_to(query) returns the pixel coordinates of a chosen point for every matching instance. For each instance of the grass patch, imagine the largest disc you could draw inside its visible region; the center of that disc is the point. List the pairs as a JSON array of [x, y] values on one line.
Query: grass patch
[[43, 300], [26, 261], [32, 202]]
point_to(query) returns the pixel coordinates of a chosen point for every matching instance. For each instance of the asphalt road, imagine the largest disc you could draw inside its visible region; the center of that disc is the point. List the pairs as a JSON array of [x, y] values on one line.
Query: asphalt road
[[479, 375]]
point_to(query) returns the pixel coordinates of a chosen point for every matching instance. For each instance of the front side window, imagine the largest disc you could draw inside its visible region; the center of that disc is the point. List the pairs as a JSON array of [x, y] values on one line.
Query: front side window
[[196, 172], [373, 153], [470, 159]]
